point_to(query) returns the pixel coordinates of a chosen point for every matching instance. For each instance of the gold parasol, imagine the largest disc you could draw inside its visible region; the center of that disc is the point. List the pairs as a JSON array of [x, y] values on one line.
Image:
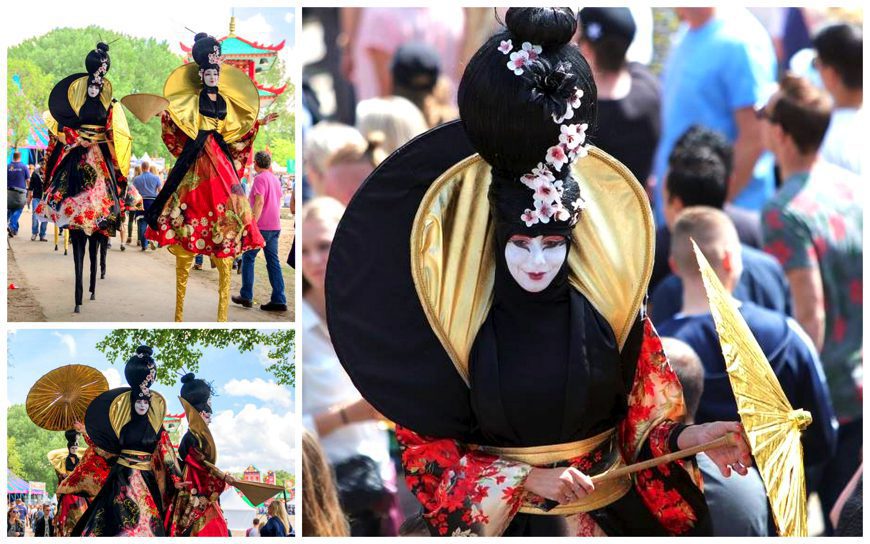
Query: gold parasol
[[772, 427], [145, 106], [60, 398], [200, 430]]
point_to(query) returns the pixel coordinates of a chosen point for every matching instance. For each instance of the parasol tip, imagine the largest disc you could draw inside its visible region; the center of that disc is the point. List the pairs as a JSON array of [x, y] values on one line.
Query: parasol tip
[[802, 418]]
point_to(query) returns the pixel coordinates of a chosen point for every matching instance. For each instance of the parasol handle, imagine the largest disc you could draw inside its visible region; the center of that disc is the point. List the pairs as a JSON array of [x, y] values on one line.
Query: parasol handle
[[727, 440]]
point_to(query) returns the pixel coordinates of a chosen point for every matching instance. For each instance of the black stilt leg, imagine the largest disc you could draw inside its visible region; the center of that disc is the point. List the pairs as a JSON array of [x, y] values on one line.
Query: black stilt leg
[[93, 246], [78, 239]]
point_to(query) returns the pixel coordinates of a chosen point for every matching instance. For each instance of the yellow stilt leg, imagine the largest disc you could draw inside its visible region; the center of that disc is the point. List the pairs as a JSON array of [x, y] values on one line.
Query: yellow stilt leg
[[183, 262], [225, 268], [65, 240], [55, 236]]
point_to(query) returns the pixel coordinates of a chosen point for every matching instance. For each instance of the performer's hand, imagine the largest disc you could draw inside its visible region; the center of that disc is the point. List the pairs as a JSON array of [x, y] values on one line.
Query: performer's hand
[[737, 457], [563, 485], [228, 478], [268, 119], [79, 426], [83, 143], [183, 485]]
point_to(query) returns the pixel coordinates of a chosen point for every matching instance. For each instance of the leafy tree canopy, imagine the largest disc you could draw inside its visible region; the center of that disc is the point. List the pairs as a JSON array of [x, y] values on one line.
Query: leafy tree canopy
[[177, 349], [31, 445]]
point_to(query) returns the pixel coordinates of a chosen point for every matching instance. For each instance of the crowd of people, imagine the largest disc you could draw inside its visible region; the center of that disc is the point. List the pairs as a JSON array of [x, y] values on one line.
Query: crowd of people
[[742, 144]]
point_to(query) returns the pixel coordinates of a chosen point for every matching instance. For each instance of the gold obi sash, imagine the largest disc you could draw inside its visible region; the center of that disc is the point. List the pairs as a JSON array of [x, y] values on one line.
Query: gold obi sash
[[606, 492], [138, 460], [92, 133]]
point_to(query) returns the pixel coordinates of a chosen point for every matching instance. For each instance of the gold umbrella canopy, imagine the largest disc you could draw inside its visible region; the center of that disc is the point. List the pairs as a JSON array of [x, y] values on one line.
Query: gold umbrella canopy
[[772, 426], [59, 398]]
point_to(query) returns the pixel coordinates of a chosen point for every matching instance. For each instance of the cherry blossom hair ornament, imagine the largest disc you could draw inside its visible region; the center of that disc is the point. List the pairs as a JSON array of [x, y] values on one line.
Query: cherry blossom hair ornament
[[206, 52], [97, 64], [141, 372], [526, 100]]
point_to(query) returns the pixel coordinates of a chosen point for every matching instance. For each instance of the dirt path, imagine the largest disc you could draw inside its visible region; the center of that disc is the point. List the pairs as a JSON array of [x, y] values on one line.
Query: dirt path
[[139, 286]]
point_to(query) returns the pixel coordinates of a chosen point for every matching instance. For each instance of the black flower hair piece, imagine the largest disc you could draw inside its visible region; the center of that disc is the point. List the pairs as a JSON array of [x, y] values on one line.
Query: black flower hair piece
[[552, 87]]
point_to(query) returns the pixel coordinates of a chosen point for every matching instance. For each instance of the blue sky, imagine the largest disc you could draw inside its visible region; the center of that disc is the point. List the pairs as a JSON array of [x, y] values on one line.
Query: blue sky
[[248, 399]]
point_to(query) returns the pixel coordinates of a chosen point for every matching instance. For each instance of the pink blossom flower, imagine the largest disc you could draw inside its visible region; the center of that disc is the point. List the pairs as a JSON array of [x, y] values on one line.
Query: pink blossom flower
[[506, 47], [518, 60], [562, 214], [530, 217], [573, 136], [557, 157], [546, 192], [576, 99], [569, 114], [532, 50], [545, 211]]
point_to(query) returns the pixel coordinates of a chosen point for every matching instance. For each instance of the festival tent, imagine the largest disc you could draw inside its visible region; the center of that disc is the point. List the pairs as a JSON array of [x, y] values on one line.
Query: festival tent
[[236, 511], [15, 485]]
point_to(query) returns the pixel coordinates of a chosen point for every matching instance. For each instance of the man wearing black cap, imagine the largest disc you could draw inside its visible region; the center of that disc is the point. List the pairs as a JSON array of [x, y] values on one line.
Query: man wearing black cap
[[629, 124], [416, 71]]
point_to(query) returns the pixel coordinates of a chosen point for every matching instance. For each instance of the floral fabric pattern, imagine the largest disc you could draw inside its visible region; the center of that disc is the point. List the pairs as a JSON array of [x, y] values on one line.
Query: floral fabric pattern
[[816, 221], [196, 511], [208, 214]]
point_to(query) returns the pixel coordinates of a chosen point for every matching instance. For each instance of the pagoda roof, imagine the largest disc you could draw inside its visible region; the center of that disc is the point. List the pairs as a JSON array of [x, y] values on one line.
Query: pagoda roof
[[234, 46], [265, 90]]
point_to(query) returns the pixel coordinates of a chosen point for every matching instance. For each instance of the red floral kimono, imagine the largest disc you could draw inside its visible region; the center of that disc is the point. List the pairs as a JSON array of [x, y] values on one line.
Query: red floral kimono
[[208, 213], [196, 511], [465, 492], [95, 207], [81, 486]]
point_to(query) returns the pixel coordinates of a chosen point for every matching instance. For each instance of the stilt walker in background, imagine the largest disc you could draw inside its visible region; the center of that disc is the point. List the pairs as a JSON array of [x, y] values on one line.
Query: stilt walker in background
[[210, 127], [83, 185], [56, 143]]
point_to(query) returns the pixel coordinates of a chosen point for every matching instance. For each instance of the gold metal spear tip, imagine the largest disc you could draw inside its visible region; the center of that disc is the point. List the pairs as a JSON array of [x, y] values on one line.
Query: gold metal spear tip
[[802, 418]]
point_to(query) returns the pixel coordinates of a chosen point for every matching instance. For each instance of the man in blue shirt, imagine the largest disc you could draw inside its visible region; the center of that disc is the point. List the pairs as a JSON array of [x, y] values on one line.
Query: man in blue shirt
[[17, 175], [716, 73], [148, 186], [787, 348]]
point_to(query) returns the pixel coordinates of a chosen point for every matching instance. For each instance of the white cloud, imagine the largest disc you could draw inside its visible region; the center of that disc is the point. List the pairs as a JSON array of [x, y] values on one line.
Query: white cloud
[[267, 391], [254, 436], [113, 377], [288, 17], [256, 25], [263, 356], [68, 341]]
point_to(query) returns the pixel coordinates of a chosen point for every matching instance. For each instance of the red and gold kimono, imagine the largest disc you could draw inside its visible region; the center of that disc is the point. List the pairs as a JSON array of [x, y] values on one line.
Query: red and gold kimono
[[81, 486], [467, 491], [196, 511]]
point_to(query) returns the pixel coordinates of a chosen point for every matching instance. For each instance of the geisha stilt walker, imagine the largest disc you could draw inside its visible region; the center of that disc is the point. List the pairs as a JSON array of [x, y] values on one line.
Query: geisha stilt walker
[[82, 193], [197, 512], [70, 506], [210, 127], [128, 421], [485, 291]]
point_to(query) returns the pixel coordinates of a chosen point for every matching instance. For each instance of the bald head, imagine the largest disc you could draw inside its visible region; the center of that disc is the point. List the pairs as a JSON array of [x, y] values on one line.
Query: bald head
[[717, 238]]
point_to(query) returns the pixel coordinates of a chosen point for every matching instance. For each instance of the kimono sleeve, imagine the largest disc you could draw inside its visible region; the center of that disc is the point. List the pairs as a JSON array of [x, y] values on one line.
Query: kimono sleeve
[[173, 137], [240, 150], [164, 463], [463, 492], [671, 491]]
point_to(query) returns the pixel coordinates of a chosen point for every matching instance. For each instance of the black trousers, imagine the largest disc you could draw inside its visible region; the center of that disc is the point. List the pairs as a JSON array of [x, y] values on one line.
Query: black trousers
[[78, 239], [101, 242]]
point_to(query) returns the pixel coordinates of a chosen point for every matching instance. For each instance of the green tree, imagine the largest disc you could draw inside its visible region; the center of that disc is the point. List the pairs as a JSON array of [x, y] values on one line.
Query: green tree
[[27, 88], [177, 349], [32, 445], [139, 65], [277, 134], [13, 458]]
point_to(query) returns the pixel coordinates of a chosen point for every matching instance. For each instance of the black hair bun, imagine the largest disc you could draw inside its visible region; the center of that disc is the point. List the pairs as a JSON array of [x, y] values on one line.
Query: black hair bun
[[546, 27], [144, 350], [187, 378], [104, 47], [200, 36]]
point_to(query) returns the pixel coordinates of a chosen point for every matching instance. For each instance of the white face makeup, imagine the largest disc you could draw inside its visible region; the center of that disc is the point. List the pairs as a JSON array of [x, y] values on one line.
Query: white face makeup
[[211, 77], [141, 407], [206, 417], [534, 262], [93, 91]]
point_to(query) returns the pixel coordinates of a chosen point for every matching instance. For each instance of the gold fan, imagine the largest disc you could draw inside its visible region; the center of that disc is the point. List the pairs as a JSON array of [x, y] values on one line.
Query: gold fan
[[60, 398], [772, 426], [145, 106], [256, 492]]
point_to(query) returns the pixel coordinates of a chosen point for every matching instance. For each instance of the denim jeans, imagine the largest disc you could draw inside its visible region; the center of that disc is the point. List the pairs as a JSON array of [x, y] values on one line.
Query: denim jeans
[[12, 223], [273, 265], [146, 203], [37, 227]]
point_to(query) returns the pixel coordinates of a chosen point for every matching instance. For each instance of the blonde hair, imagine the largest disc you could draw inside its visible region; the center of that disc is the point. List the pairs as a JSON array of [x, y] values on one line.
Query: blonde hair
[[715, 235], [323, 208], [321, 513], [397, 119], [326, 140], [278, 510]]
